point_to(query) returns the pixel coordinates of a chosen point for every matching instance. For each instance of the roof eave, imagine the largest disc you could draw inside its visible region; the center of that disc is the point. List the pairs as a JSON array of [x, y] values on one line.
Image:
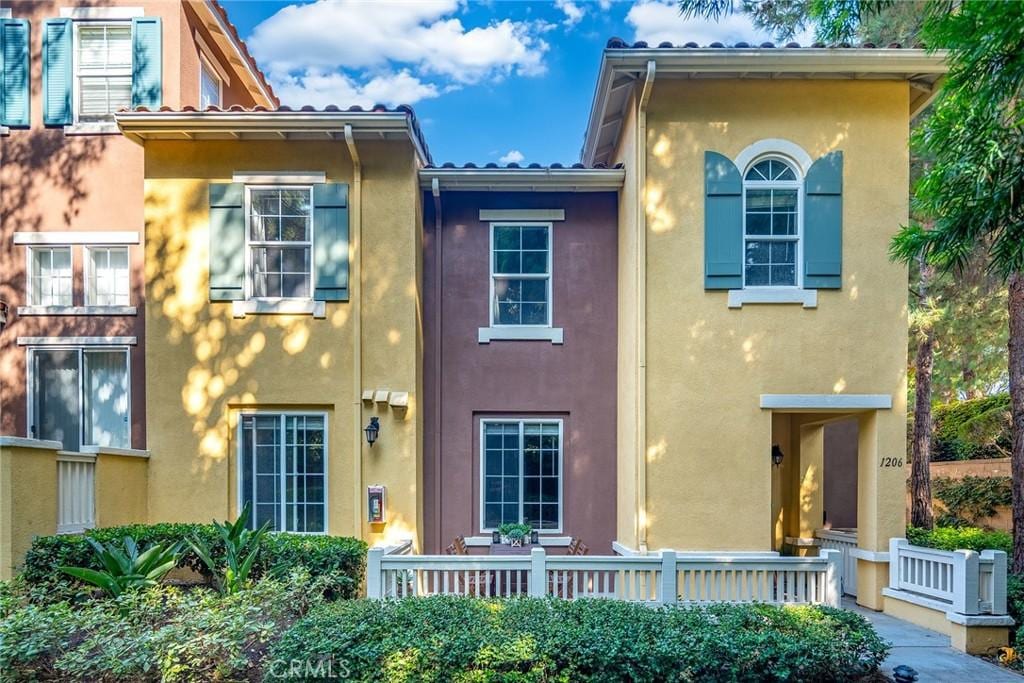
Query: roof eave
[[141, 125], [524, 179], [220, 32]]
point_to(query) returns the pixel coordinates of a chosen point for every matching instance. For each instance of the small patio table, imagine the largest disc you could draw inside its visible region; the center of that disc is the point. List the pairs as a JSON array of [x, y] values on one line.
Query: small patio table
[[514, 582]]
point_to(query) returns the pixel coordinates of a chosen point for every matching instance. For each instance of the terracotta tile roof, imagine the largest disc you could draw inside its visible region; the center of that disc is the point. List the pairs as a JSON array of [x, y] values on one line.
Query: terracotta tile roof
[[620, 44], [245, 50], [492, 165]]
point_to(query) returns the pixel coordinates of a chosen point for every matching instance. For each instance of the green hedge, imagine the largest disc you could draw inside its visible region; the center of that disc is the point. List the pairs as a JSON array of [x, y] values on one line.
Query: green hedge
[[973, 429], [525, 639], [961, 538], [340, 559]]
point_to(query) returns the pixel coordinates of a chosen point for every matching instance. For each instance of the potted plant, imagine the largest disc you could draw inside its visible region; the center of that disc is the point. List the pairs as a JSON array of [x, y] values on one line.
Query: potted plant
[[514, 534]]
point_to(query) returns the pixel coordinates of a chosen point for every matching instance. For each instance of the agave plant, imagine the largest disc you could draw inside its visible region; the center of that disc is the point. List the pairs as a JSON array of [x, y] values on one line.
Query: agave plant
[[241, 546], [127, 569]]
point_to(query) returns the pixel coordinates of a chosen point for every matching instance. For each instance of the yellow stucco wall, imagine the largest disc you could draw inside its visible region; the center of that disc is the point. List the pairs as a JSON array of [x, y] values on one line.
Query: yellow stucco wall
[[709, 478], [122, 489], [28, 501], [203, 366]]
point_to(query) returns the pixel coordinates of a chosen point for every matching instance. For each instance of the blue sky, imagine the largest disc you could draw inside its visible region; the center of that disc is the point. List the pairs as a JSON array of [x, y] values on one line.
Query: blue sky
[[490, 81]]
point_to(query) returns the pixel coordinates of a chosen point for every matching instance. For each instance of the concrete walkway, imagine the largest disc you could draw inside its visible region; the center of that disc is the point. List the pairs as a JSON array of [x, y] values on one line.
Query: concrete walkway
[[929, 653]]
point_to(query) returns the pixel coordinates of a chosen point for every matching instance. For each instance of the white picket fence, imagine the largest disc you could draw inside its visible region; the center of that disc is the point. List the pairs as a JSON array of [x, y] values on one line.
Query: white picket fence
[[76, 493], [960, 581], [845, 541], [662, 578]]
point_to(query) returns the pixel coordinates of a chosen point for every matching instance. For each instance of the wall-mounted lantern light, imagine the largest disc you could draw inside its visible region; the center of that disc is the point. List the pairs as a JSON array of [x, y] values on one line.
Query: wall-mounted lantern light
[[3, 315], [777, 455], [372, 431]]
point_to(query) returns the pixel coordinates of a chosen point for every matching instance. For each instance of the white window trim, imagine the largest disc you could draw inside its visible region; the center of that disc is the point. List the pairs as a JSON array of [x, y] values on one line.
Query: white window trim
[[495, 331], [270, 305], [77, 310], [797, 185], [75, 344], [543, 215], [78, 127], [63, 238], [30, 287], [808, 298], [240, 309], [77, 341], [279, 178], [777, 146], [88, 276], [561, 469], [5, 12], [327, 458], [205, 63]]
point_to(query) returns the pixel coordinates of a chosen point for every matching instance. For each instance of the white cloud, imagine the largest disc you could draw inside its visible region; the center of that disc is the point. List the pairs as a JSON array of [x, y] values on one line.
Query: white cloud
[[331, 34], [320, 89], [605, 5], [514, 156], [573, 12], [657, 21]]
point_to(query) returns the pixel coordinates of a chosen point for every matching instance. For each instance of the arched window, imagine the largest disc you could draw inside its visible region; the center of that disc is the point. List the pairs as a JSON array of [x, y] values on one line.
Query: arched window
[[771, 223]]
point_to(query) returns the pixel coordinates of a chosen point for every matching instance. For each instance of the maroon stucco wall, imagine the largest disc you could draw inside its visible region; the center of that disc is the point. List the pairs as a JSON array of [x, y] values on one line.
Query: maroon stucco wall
[[574, 381]]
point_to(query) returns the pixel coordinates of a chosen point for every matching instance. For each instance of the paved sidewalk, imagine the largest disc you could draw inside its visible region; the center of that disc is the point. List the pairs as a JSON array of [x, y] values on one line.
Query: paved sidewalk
[[929, 653]]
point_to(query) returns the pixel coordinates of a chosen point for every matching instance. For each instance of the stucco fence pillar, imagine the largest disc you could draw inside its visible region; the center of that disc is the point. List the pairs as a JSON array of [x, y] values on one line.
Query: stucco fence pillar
[[28, 497], [122, 486]]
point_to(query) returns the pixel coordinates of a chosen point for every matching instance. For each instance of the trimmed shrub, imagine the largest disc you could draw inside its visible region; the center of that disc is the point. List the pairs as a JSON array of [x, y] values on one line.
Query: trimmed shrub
[[973, 429], [163, 633], [961, 538], [526, 639], [341, 560]]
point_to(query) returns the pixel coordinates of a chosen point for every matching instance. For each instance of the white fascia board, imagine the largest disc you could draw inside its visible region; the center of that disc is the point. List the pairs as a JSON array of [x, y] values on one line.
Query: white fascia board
[[239, 57], [826, 401], [77, 237], [525, 179]]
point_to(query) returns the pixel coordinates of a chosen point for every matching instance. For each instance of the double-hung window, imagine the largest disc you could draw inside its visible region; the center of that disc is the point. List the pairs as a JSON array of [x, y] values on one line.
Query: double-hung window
[[103, 69], [771, 221], [522, 473], [49, 276], [80, 396], [283, 470], [107, 278], [521, 274], [280, 242]]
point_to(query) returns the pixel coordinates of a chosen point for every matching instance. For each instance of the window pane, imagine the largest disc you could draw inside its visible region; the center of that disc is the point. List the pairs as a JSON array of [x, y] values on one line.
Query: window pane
[[507, 262], [55, 398], [209, 94], [535, 262], [771, 263], [540, 484], [506, 238], [51, 276], [106, 398], [280, 216], [108, 276]]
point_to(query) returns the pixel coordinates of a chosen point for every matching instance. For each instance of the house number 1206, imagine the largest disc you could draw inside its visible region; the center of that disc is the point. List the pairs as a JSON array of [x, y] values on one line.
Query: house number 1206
[[892, 462]]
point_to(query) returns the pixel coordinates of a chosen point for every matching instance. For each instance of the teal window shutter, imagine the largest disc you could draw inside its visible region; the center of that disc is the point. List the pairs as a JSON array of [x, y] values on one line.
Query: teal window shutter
[[330, 241], [823, 223], [14, 95], [723, 223], [147, 62], [227, 241], [57, 72]]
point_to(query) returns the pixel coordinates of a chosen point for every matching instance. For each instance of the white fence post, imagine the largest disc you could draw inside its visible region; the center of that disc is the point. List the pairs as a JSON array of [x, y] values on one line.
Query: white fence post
[[538, 574], [997, 586], [667, 590], [833, 585], [965, 582], [374, 584], [895, 544]]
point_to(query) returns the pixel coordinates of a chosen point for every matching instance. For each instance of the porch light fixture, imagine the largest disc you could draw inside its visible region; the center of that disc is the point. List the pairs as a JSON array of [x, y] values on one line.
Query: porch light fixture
[[372, 430], [777, 455], [3, 315]]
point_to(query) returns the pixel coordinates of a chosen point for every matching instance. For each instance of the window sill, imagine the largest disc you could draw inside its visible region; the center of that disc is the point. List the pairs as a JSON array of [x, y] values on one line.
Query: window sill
[[4, 131], [77, 310], [240, 309], [93, 128], [768, 295], [485, 335], [112, 450]]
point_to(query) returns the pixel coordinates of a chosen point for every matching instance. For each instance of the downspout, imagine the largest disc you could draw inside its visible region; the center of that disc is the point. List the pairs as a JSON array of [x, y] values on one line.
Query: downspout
[[355, 291], [435, 190], [641, 307]]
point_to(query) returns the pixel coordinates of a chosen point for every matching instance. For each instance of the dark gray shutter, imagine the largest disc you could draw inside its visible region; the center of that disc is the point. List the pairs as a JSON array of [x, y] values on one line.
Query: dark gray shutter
[[330, 241], [227, 241], [723, 223], [823, 223], [57, 69]]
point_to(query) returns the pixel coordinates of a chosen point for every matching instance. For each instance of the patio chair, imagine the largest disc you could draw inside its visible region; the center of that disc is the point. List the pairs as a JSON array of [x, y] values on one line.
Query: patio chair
[[461, 583], [457, 547], [577, 547]]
